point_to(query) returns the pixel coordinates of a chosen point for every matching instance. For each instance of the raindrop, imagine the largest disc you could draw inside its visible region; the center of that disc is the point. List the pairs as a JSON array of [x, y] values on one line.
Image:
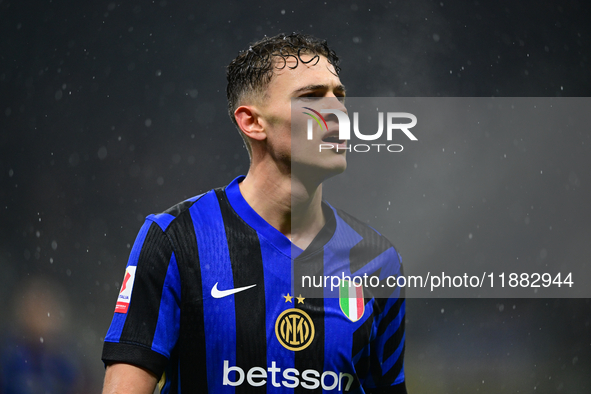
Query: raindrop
[[74, 159], [102, 153]]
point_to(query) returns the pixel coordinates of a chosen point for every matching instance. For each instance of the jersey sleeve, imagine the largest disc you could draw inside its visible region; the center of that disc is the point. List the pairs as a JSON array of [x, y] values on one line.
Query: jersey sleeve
[[145, 325], [387, 346]]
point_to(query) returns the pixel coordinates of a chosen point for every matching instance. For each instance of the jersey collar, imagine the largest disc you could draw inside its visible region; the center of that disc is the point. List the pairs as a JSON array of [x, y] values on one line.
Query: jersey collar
[[281, 242], [254, 220], [322, 238]]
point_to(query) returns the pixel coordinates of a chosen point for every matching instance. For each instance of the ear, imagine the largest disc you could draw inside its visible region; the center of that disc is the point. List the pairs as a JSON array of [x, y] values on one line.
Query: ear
[[249, 121]]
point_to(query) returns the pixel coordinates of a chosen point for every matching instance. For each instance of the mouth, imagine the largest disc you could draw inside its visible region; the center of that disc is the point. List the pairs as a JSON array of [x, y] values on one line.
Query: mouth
[[332, 138]]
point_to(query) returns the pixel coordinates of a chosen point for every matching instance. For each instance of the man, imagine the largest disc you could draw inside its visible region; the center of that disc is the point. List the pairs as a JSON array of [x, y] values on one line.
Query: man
[[207, 304]]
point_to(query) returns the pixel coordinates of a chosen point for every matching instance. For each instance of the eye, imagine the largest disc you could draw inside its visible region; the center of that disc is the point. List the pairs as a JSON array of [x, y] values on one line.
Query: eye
[[311, 94], [341, 97]]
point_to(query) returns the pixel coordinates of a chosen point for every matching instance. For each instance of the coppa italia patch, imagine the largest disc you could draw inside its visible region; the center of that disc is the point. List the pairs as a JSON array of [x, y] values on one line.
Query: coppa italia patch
[[125, 292]]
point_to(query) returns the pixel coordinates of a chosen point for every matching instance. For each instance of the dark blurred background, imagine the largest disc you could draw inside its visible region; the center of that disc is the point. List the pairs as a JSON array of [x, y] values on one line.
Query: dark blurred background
[[111, 111]]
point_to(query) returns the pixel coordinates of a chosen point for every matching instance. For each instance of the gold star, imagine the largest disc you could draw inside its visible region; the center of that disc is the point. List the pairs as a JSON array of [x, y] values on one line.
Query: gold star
[[288, 298], [300, 299]]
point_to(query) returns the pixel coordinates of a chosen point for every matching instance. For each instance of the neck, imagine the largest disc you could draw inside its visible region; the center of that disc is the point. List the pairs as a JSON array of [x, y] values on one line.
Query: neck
[[291, 206]]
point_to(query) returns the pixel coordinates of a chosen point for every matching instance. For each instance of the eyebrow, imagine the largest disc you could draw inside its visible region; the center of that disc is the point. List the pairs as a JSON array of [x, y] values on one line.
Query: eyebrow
[[339, 88]]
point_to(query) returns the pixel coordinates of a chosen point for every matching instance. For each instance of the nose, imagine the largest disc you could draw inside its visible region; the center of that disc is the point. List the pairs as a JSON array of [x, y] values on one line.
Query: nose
[[330, 101]]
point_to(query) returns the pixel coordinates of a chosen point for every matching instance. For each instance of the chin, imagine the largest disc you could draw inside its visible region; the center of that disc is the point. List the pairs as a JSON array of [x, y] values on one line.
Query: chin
[[337, 164], [318, 173], [337, 169]]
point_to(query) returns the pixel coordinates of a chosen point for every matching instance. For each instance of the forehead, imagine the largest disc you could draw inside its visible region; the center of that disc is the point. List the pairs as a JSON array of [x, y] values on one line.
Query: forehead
[[293, 73]]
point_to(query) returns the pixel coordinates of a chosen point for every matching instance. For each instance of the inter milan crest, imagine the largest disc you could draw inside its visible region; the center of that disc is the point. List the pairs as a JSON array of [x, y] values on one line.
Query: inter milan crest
[[351, 300], [294, 327]]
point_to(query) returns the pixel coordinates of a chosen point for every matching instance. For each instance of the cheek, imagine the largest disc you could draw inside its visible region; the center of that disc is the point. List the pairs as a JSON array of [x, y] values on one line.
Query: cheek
[[279, 139], [300, 121], [278, 115]]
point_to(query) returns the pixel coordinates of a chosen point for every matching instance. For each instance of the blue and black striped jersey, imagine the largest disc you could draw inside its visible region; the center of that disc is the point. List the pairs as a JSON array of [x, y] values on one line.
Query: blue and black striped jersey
[[208, 303]]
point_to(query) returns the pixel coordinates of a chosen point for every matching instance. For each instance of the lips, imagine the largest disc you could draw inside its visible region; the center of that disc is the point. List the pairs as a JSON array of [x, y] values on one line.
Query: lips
[[332, 137], [333, 140]]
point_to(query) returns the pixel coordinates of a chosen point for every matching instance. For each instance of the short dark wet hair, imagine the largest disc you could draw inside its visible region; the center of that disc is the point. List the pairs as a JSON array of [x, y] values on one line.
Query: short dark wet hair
[[251, 71]]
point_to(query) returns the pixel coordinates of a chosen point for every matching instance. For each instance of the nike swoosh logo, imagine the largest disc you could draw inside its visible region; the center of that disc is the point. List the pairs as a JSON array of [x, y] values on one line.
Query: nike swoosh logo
[[215, 293]]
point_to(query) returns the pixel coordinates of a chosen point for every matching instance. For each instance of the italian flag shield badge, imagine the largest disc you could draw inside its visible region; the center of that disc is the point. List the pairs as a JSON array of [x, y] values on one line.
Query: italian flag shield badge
[[351, 300]]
